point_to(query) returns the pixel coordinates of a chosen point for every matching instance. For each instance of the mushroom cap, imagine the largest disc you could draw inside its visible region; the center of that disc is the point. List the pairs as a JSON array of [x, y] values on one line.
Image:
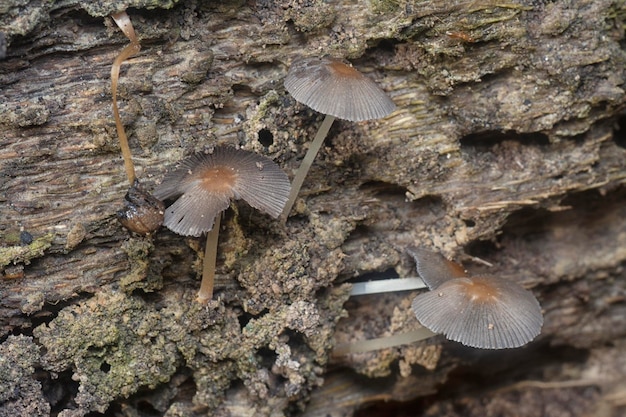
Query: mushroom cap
[[482, 312], [206, 182], [434, 268], [332, 87]]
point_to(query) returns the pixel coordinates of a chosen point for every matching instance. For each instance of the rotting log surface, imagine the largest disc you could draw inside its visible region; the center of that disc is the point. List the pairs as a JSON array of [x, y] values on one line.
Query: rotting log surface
[[506, 147]]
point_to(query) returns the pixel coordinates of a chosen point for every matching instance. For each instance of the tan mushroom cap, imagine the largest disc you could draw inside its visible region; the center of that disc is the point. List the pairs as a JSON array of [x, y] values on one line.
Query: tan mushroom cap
[[481, 312], [207, 181], [332, 87]]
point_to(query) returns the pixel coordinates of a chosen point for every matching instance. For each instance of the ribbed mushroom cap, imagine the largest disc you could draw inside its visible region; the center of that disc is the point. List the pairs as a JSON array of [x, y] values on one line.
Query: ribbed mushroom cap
[[206, 182], [481, 312], [433, 268], [332, 87]]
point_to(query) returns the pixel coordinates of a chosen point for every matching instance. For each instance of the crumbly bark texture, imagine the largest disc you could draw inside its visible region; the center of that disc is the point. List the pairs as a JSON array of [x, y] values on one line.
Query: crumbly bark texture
[[506, 152]]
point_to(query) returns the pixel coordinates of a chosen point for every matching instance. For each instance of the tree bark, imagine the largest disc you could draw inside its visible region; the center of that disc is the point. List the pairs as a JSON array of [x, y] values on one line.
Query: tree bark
[[506, 152]]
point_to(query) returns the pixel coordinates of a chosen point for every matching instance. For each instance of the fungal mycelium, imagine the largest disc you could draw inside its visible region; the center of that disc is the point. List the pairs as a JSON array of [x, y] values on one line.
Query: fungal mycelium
[[484, 312], [204, 185], [336, 89]]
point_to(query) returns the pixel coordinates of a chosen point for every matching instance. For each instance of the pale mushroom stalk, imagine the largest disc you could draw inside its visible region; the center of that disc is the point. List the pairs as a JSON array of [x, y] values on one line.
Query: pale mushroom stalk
[[383, 342], [336, 89], [387, 285], [376, 287], [205, 183], [303, 170], [208, 266]]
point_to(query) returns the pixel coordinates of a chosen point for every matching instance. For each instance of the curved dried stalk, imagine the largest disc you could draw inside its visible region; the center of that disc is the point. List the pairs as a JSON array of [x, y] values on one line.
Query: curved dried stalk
[[123, 22]]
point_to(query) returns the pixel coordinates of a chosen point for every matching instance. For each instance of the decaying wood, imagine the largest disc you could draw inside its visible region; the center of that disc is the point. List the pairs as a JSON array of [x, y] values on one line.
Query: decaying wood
[[506, 148]]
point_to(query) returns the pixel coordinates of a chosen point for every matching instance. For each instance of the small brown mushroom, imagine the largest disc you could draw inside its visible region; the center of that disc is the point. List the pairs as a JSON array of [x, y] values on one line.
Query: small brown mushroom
[[142, 212], [480, 311], [206, 182], [337, 90]]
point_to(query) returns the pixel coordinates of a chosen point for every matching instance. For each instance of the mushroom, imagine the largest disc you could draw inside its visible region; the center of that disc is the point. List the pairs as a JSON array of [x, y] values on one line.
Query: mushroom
[[205, 183], [479, 311], [337, 90], [142, 212]]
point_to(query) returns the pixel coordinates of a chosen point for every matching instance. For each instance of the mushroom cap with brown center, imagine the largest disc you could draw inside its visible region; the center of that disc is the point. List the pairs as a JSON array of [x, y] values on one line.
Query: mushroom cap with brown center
[[332, 87], [206, 182], [482, 312]]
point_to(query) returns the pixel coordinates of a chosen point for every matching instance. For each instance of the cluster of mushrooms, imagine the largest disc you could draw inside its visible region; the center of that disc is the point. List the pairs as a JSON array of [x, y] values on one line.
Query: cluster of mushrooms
[[482, 312]]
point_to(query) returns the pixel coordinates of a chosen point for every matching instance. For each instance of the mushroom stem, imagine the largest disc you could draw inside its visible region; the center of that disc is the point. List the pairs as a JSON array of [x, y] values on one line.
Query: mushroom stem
[[131, 49], [208, 267], [306, 165], [383, 342], [387, 285]]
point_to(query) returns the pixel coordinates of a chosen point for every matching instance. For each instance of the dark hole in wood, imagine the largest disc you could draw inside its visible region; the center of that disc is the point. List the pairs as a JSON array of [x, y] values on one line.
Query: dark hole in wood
[[105, 367], [376, 275], [59, 391], [619, 133], [266, 138], [469, 222]]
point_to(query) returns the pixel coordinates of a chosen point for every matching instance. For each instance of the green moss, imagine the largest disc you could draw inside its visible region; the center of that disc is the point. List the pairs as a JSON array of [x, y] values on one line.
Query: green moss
[[142, 274], [25, 253], [105, 8], [385, 6], [20, 18], [20, 393], [115, 345], [312, 16], [266, 104]]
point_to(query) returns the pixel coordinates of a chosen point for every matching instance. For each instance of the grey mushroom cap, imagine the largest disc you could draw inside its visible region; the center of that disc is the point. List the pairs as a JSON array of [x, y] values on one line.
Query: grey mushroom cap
[[206, 182], [332, 87], [434, 268], [481, 312]]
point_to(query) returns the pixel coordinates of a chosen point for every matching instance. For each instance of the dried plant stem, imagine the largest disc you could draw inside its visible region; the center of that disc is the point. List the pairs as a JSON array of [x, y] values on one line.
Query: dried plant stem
[[123, 21], [383, 342], [208, 267], [306, 165]]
